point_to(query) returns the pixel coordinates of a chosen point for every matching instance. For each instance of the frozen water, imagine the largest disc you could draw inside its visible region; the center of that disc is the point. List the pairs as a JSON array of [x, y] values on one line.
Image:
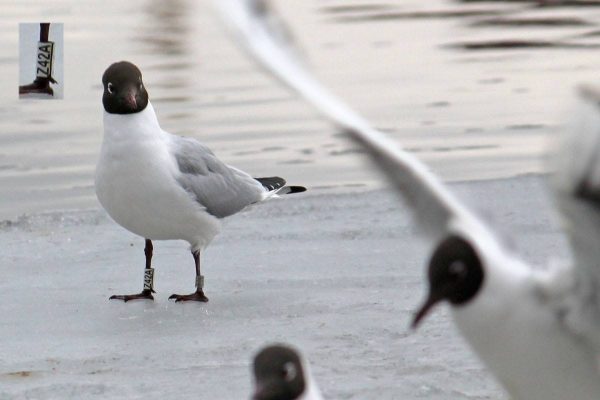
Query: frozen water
[[338, 275]]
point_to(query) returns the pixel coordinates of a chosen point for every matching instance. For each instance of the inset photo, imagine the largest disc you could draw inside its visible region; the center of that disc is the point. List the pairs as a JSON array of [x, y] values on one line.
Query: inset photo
[[41, 60]]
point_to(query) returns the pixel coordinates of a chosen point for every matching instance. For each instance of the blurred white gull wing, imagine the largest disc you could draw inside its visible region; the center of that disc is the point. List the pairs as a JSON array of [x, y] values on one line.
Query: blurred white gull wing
[[577, 191], [436, 208]]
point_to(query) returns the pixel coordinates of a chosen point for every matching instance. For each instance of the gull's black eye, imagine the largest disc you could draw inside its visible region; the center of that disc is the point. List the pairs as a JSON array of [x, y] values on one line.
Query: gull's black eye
[[289, 371], [110, 88]]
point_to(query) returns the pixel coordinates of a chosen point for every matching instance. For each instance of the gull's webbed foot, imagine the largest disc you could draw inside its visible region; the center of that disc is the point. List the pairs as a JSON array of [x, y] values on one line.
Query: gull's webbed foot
[[146, 294], [40, 85], [198, 295]]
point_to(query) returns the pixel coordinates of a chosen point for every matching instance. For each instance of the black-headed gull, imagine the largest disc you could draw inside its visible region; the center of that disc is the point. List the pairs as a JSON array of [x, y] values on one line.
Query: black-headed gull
[[281, 373], [537, 331], [161, 186]]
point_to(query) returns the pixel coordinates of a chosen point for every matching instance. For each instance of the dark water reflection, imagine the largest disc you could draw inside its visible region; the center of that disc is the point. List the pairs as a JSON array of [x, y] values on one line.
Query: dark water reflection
[[165, 30], [532, 22], [399, 15], [521, 44]]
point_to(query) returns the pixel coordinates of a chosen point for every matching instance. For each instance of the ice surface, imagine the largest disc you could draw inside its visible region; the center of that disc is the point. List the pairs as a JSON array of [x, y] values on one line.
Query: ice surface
[[337, 275]]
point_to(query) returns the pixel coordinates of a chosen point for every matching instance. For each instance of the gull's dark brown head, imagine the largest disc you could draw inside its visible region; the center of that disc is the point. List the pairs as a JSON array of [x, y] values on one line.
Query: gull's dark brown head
[[455, 275], [124, 90], [278, 374]]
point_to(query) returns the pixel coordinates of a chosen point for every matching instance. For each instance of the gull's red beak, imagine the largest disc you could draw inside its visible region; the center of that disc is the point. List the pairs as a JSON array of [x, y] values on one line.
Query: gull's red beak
[[130, 99]]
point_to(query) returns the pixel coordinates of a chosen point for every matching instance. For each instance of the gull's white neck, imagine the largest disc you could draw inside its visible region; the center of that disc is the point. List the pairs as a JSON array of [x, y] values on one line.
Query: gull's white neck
[[126, 126], [312, 391]]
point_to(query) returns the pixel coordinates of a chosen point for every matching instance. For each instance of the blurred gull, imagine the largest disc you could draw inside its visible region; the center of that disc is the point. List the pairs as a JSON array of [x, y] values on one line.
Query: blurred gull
[[538, 331], [281, 373], [161, 186]]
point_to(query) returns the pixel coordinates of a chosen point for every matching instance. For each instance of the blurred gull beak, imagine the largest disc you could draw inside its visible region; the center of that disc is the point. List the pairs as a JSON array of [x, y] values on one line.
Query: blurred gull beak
[[431, 301]]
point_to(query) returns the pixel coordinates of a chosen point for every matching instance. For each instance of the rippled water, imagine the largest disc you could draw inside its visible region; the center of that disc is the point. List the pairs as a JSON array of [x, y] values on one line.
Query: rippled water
[[473, 87]]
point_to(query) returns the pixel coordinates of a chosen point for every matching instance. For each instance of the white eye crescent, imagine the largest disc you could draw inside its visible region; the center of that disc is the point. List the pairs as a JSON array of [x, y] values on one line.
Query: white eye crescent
[[110, 88], [289, 370]]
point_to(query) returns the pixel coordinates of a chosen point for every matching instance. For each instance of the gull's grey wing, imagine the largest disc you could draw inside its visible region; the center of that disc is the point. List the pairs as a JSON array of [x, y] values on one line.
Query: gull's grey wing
[[436, 208], [577, 191], [221, 189]]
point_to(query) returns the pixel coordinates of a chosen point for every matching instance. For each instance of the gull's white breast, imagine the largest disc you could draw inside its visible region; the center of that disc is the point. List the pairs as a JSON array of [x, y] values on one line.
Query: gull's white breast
[[136, 183], [522, 341]]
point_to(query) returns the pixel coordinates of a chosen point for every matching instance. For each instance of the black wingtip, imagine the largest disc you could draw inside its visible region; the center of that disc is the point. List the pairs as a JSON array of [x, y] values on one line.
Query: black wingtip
[[277, 183], [296, 189], [291, 189]]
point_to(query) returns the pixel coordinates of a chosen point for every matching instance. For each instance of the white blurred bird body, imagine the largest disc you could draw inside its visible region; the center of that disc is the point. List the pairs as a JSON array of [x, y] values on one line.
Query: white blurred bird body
[[520, 338]]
